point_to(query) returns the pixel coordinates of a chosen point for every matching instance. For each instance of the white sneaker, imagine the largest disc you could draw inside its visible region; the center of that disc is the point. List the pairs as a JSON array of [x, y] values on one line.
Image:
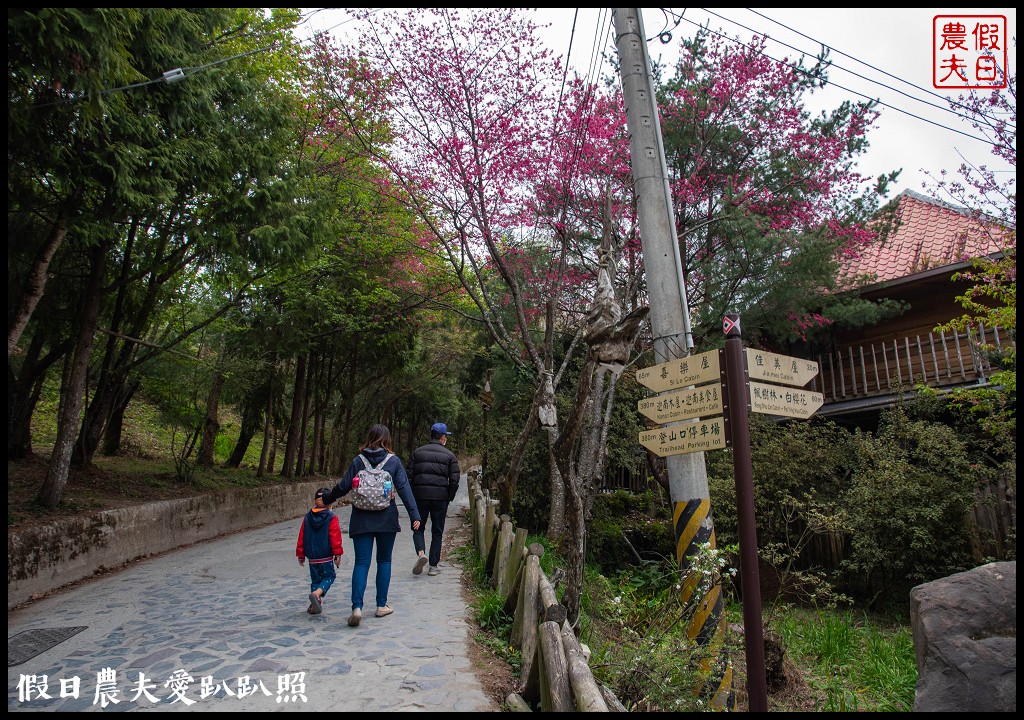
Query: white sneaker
[[433, 570]]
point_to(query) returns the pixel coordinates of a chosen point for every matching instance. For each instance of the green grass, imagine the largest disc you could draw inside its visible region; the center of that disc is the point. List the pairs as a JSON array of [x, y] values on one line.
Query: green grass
[[144, 470], [146, 436], [859, 662]]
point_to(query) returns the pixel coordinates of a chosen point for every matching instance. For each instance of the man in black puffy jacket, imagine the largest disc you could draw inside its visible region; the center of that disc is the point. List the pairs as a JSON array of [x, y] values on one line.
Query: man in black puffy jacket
[[433, 471]]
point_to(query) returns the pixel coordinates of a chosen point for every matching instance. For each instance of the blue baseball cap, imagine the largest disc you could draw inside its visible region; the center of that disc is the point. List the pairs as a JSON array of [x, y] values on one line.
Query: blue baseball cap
[[439, 429]]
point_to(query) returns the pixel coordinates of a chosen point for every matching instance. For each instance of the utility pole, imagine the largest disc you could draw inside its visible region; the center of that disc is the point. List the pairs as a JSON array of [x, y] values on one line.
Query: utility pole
[[670, 326]]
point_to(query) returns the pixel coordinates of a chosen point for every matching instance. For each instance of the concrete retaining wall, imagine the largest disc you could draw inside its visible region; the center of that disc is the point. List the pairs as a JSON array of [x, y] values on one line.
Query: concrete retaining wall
[[50, 556]]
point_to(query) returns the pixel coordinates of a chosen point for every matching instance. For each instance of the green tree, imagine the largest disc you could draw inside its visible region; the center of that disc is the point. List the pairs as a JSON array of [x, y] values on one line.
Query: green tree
[[161, 178]]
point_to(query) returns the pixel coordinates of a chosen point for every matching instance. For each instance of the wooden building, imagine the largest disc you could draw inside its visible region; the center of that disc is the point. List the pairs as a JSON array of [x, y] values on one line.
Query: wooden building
[[871, 367]]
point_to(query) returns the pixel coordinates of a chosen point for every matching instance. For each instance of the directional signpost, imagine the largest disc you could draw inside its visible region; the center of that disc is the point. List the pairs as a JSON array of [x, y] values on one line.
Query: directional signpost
[[686, 438], [784, 401], [717, 412], [682, 372], [695, 402], [703, 401], [487, 398], [783, 369]]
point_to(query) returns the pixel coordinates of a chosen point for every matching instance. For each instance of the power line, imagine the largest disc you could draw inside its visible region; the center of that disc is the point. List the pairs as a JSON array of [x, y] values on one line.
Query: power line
[[945, 109], [837, 85], [895, 77], [170, 76]]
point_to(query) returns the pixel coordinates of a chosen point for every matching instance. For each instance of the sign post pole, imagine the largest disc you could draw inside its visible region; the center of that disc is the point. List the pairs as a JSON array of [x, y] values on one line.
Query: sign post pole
[[670, 318], [736, 408]]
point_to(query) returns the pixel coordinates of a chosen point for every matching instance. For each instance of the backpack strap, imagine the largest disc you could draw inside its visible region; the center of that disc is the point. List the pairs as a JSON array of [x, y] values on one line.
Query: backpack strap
[[366, 463], [382, 462]]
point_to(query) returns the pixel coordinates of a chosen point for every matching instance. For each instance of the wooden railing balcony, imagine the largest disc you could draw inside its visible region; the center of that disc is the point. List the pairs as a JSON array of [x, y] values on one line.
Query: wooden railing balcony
[[895, 366]]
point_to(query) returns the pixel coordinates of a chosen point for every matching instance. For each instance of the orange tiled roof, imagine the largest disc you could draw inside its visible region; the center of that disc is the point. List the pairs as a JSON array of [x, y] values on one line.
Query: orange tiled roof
[[931, 234]]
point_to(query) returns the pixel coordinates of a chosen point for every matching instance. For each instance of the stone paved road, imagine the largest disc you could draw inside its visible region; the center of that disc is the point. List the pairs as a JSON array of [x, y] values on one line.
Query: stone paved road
[[228, 617]]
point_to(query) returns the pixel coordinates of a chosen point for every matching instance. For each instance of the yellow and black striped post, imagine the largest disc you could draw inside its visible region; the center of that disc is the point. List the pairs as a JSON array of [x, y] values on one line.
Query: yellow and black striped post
[[706, 627]]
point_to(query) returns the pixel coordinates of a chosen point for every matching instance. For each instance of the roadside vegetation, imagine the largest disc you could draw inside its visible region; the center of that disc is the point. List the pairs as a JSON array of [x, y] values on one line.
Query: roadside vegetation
[[835, 660]]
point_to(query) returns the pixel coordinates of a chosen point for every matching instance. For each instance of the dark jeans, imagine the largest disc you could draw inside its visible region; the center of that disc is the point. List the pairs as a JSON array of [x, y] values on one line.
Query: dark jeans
[[363, 545], [435, 510], [321, 576]]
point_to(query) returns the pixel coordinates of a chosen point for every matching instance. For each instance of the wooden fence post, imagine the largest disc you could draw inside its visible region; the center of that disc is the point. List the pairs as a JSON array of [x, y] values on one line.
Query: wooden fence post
[[515, 590], [550, 608], [471, 486], [525, 622], [555, 695], [490, 520], [516, 557], [585, 689], [498, 581], [480, 522]]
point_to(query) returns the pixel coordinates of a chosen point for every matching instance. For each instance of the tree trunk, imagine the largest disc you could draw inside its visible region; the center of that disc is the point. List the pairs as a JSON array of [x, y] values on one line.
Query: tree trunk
[[21, 403], [97, 413], [112, 435], [113, 374], [580, 448], [593, 455], [268, 424], [35, 283], [316, 455], [250, 424], [275, 437], [506, 483], [556, 520], [211, 427], [346, 431], [73, 393], [575, 541], [659, 470], [317, 393], [252, 413], [300, 460], [23, 391], [295, 421]]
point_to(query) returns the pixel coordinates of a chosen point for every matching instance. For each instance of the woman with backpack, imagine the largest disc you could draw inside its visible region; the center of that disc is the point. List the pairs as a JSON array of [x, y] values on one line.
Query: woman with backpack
[[373, 477]]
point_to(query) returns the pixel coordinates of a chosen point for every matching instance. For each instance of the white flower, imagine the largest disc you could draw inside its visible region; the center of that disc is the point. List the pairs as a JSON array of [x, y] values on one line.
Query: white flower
[[618, 599]]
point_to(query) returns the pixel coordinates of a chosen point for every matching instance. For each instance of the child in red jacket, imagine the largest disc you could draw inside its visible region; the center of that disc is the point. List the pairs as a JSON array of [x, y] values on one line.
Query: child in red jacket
[[320, 543]]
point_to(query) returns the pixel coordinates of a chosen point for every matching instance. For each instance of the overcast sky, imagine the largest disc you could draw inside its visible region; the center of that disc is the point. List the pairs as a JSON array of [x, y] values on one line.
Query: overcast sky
[[883, 54]]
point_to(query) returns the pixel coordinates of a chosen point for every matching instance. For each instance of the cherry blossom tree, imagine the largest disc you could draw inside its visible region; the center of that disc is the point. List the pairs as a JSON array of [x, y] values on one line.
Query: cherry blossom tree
[[519, 176], [490, 151], [767, 197]]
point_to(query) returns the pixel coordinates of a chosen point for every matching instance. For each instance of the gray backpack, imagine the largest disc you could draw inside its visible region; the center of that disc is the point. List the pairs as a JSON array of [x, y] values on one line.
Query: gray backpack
[[375, 488]]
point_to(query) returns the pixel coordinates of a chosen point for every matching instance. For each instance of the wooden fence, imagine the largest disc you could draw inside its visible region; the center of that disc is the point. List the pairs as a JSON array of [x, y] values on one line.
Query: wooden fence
[[936, 360], [555, 674]]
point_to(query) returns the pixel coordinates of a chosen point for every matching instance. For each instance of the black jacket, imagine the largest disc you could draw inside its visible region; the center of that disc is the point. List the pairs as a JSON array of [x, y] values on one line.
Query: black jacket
[[433, 472]]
